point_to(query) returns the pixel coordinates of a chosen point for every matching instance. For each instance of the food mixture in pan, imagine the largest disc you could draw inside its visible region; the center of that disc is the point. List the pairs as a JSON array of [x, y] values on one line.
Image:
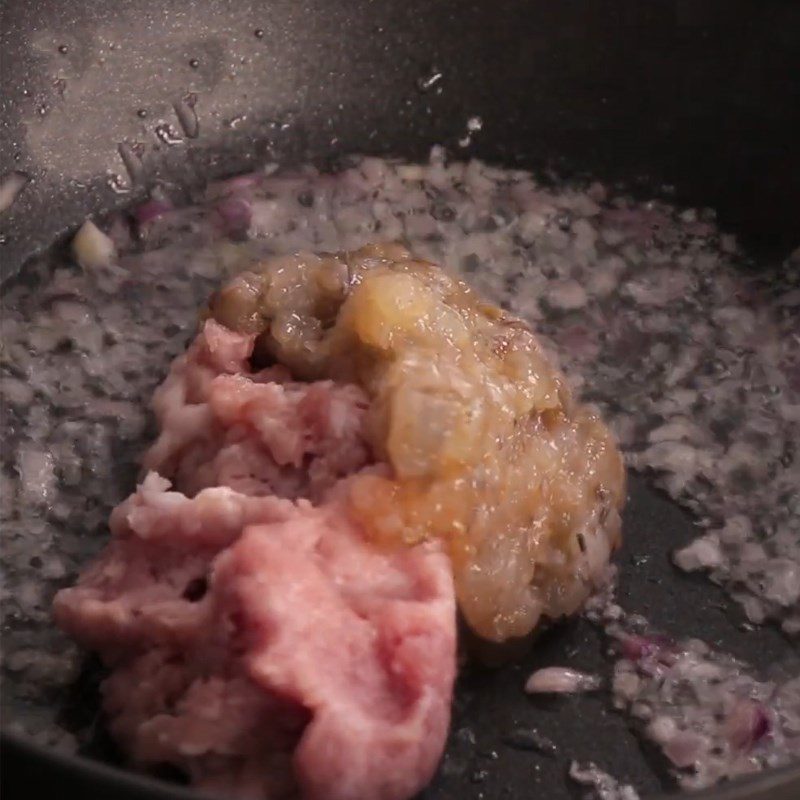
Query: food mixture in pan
[[386, 445], [344, 437]]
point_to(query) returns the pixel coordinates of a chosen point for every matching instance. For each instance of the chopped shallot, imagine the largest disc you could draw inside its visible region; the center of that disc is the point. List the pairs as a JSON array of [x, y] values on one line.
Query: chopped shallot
[[10, 187], [91, 247], [561, 680]]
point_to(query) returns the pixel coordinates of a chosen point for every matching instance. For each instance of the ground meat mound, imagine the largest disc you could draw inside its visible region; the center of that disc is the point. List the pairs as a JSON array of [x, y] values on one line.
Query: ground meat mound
[[257, 641], [344, 437]]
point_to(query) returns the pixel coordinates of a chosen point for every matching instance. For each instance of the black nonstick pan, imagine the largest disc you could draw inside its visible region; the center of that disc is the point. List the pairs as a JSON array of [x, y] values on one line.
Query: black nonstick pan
[[102, 101]]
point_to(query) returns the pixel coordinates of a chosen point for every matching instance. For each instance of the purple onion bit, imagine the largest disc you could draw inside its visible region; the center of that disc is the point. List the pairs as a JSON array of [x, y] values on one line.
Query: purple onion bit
[[233, 204], [242, 183], [658, 648], [233, 215], [748, 723], [684, 749], [151, 210]]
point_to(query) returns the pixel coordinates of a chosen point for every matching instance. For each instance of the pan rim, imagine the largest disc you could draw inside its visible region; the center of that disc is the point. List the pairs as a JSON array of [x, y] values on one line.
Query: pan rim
[[781, 783]]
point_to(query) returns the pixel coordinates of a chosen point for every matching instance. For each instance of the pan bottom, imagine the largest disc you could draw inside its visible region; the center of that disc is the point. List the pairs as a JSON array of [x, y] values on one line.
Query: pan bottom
[[693, 358]]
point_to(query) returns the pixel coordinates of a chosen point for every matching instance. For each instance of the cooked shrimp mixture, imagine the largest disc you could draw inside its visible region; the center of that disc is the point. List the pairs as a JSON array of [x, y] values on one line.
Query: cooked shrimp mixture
[[487, 449]]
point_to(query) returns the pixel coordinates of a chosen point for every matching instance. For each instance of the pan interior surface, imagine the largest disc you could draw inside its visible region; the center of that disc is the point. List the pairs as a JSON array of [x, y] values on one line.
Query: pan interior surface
[[596, 92]]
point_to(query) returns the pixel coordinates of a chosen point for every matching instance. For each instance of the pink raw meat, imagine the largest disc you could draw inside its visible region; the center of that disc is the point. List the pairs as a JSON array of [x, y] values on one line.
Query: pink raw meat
[[163, 545], [364, 640], [257, 432], [262, 644]]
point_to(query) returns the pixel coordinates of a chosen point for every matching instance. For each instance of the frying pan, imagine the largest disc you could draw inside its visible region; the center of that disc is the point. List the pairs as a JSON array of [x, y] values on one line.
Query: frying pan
[[701, 99]]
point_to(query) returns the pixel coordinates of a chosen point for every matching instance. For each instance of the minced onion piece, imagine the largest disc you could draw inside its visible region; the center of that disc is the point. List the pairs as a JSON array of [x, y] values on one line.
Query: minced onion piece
[[605, 786], [91, 247], [561, 680], [711, 715], [10, 187]]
